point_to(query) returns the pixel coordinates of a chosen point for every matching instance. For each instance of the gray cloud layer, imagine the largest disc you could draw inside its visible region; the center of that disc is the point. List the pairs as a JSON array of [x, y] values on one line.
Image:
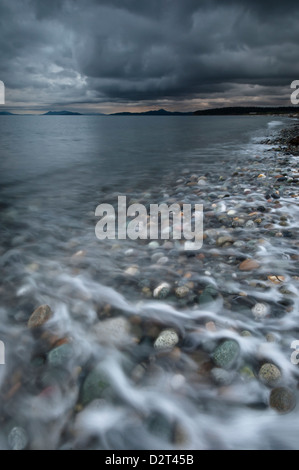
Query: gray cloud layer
[[181, 52]]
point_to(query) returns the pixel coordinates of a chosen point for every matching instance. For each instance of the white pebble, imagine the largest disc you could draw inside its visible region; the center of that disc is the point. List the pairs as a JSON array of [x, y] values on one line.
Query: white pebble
[[167, 339], [153, 245], [162, 260], [132, 271], [129, 252], [17, 438], [260, 310], [161, 290], [231, 212]]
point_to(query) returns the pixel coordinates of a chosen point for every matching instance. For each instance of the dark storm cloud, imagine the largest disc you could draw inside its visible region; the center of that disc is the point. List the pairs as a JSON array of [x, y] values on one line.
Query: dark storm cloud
[[69, 51]]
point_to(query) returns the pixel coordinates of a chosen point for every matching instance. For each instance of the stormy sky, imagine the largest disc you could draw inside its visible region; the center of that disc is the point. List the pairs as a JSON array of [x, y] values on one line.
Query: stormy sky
[[116, 55]]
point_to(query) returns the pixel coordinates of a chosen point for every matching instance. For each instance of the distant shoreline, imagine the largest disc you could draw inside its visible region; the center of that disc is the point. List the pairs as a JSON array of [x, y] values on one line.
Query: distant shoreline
[[285, 111]]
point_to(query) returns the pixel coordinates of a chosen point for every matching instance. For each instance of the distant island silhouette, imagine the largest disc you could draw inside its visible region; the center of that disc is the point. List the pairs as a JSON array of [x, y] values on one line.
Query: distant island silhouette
[[226, 111]]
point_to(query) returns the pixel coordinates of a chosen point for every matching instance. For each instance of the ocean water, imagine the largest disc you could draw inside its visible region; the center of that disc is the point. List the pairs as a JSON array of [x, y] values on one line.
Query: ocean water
[[54, 172]]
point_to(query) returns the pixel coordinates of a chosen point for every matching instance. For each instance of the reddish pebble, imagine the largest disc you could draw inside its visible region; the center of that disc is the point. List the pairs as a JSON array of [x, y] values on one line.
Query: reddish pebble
[[40, 316], [249, 265]]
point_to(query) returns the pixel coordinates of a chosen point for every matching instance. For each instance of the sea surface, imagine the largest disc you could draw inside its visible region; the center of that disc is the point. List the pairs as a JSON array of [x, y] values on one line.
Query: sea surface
[[54, 172]]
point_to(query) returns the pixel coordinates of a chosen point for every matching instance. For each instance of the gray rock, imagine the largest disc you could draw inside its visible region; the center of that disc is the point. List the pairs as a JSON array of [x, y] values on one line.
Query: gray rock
[[182, 291], [153, 245], [94, 386], [282, 399], [60, 356], [222, 376], [224, 240], [239, 244], [208, 295], [160, 426], [18, 438], [114, 331], [249, 224], [226, 354]]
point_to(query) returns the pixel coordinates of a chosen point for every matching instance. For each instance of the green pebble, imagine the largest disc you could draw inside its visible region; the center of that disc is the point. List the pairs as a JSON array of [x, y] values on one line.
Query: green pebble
[[94, 386], [226, 354], [59, 356], [247, 373]]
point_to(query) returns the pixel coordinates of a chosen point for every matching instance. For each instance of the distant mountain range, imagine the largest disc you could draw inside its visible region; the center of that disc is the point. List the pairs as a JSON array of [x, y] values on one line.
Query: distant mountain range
[[242, 110], [159, 112], [228, 111], [61, 113]]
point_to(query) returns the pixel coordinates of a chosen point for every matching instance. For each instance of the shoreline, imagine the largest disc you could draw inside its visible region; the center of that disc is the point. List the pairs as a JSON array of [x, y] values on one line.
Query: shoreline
[[207, 331]]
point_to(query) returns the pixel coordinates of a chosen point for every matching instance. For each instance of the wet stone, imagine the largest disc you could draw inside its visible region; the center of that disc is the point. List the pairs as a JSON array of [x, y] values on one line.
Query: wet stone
[[269, 374], [249, 265], [208, 295], [40, 316], [222, 376], [167, 339], [245, 333], [114, 331], [160, 426], [226, 354], [94, 386], [60, 356], [260, 310], [247, 373], [18, 438], [249, 224], [282, 399], [182, 291], [224, 240], [162, 290]]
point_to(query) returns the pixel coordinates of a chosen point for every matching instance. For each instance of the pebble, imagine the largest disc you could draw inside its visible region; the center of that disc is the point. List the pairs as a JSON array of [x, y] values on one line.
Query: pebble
[[260, 310], [222, 376], [249, 265], [59, 356], [129, 252], [249, 224], [18, 438], [163, 260], [226, 354], [239, 244], [162, 290], [132, 271], [226, 239], [276, 279], [245, 333], [182, 291], [247, 373], [269, 374], [40, 316], [114, 331], [271, 338], [282, 399], [167, 339], [153, 245], [231, 212], [94, 386], [211, 326], [160, 426]]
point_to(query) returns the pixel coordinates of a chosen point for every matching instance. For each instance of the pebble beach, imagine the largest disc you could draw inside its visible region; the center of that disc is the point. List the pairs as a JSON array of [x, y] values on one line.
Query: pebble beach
[[174, 347]]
